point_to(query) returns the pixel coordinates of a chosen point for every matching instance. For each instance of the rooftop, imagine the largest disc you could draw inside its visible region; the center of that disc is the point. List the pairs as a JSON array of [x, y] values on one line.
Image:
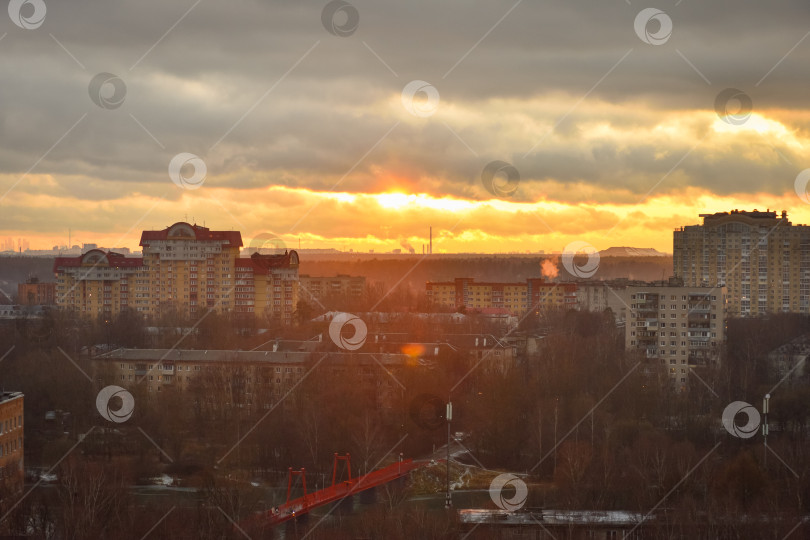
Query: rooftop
[[539, 517], [229, 356], [182, 230], [8, 396]]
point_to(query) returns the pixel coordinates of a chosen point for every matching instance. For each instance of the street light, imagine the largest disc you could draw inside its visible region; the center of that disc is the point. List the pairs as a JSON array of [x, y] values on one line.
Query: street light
[[448, 503], [765, 424]]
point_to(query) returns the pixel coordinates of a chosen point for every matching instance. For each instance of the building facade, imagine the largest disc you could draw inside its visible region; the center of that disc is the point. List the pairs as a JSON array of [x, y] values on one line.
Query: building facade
[[36, 293], [788, 363], [268, 285], [518, 298], [681, 327], [255, 379], [341, 285], [187, 269], [100, 283], [11, 440], [761, 258]]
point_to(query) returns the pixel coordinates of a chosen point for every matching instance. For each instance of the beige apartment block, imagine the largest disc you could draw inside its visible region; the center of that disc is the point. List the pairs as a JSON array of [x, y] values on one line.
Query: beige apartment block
[[760, 257], [517, 298], [185, 269], [678, 327], [254, 379]]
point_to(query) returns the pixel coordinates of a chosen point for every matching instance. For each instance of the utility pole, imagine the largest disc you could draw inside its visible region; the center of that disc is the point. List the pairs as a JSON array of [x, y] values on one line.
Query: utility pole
[[556, 408], [765, 425], [448, 503]]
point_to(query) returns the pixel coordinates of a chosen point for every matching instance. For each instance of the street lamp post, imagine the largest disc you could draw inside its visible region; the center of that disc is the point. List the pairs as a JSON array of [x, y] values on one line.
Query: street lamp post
[[448, 503], [765, 406]]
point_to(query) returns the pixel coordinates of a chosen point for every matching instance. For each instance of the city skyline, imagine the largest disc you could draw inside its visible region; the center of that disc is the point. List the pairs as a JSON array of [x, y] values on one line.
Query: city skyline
[[523, 129], [402, 244], [505, 268]]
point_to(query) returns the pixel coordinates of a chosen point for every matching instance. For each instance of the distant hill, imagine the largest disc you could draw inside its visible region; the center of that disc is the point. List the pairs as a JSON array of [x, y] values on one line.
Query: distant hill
[[631, 252]]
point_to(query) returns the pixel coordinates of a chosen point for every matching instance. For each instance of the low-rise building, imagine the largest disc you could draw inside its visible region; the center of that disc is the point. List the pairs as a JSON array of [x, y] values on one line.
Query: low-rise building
[[537, 523], [36, 293], [11, 440], [253, 379], [341, 285], [533, 294], [788, 362], [490, 352]]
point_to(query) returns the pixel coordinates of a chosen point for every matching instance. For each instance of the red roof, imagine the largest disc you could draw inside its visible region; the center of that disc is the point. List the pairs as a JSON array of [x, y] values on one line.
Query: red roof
[[261, 263], [232, 238], [115, 260]]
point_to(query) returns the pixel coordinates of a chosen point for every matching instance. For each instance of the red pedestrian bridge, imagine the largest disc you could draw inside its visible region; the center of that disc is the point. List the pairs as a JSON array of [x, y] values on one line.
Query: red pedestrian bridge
[[338, 491]]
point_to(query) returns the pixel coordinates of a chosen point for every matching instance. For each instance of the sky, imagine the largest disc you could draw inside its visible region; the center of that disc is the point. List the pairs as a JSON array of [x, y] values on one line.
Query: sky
[[505, 125]]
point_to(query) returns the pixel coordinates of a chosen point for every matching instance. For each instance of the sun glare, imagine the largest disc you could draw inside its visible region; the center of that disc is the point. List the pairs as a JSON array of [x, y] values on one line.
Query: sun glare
[[756, 123]]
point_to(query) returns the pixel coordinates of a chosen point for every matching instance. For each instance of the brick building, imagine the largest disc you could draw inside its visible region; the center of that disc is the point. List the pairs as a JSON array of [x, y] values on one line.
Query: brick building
[[36, 293], [11, 440]]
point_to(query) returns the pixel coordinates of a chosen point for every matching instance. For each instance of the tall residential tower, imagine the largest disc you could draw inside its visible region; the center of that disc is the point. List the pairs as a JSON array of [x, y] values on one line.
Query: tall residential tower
[[761, 258]]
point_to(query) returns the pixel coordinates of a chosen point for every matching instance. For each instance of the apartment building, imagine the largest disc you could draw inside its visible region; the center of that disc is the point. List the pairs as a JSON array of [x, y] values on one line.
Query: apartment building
[[788, 362], [761, 258], [599, 295], [187, 269], [36, 293], [267, 285], [249, 378], [100, 283], [341, 285], [518, 298], [11, 440], [681, 327], [492, 353]]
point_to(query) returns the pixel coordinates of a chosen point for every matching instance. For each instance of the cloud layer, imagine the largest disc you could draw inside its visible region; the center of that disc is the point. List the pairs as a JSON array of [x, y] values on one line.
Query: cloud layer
[[599, 124]]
